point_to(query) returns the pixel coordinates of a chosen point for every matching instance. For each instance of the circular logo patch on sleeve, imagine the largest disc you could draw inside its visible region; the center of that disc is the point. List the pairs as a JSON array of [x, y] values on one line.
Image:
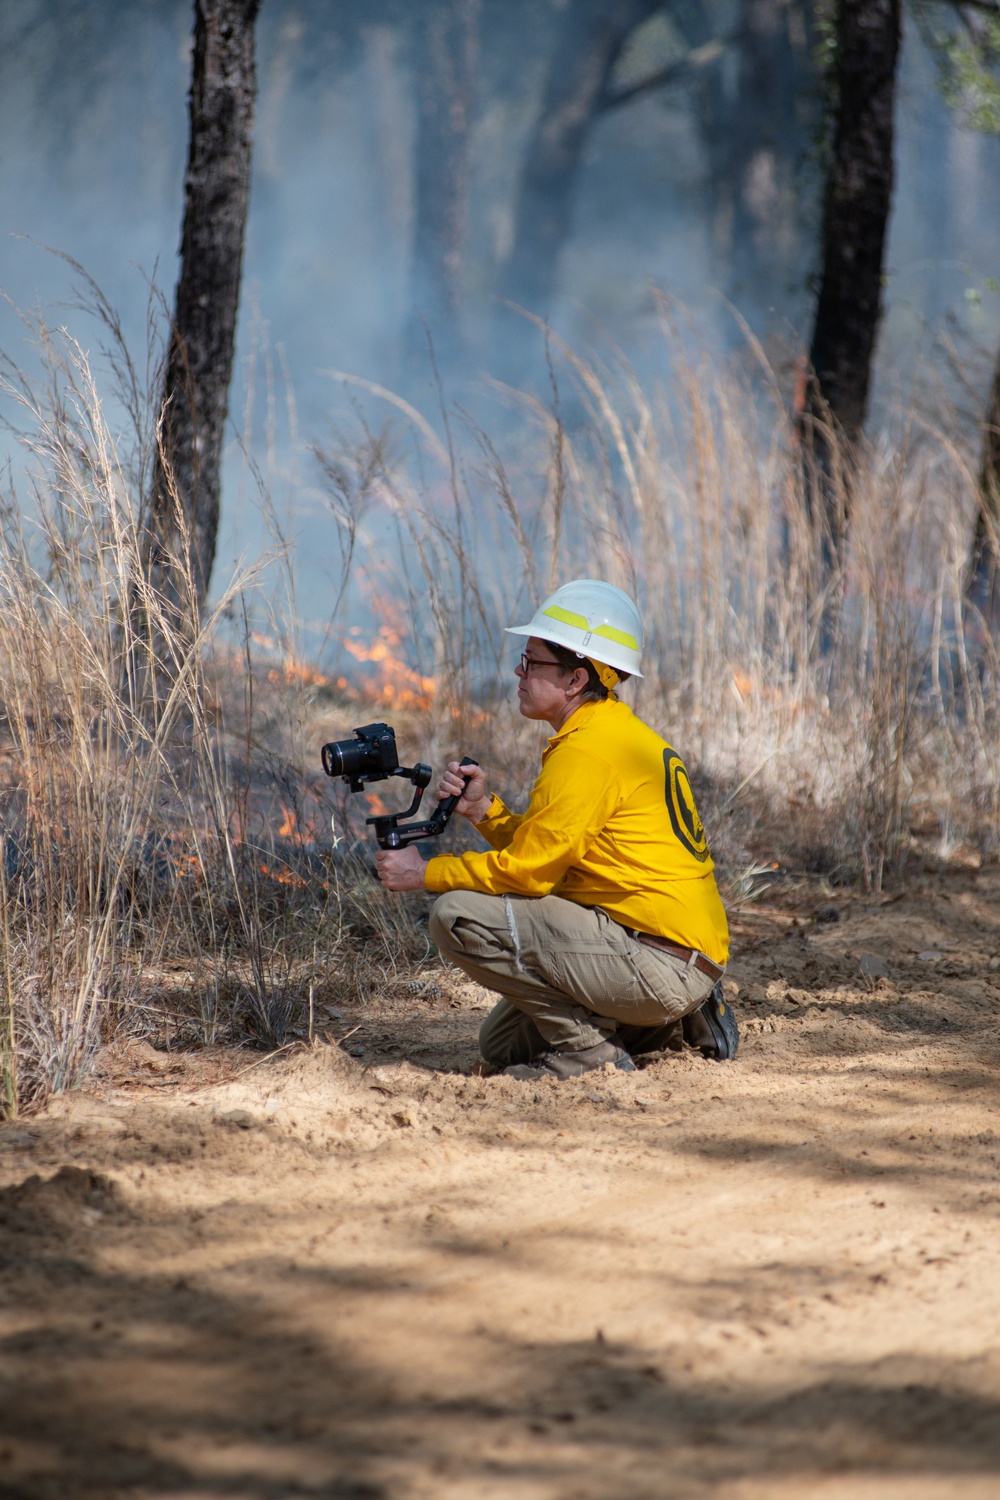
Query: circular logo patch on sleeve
[[684, 817]]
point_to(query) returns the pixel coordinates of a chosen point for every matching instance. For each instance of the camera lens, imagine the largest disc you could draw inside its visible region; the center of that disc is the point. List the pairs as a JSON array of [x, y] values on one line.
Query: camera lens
[[346, 758]]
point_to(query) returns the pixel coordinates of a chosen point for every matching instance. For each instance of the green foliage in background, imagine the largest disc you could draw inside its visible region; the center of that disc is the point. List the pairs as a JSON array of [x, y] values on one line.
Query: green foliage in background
[[965, 40]]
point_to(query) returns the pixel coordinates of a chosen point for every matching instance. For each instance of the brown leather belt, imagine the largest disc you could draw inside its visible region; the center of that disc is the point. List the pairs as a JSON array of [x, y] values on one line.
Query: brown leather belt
[[700, 961]]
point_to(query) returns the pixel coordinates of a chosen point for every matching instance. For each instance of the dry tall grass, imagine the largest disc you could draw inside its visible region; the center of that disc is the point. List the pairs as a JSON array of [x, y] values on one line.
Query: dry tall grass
[[165, 857], [821, 706], [152, 861]]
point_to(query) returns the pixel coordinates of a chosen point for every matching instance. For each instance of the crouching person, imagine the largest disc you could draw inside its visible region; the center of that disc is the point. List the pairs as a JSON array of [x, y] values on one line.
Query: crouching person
[[595, 914]]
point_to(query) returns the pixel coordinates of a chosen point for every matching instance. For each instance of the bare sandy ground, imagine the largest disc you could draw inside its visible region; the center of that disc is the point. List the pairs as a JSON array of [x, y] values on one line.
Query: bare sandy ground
[[381, 1277]]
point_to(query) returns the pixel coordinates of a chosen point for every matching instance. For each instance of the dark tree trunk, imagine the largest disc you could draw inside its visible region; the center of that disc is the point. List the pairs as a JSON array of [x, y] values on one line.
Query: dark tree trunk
[[590, 40], [184, 504], [447, 53], [855, 214], [983, 584]]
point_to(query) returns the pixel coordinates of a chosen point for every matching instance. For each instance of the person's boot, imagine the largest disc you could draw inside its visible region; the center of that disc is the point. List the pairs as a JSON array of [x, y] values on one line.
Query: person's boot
[[561, 1064], [639, 1041], [712, 1028]]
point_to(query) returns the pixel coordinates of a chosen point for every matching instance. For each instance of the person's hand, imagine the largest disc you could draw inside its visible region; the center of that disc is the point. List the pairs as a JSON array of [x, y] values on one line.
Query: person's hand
[[400, 869], [474, 801]]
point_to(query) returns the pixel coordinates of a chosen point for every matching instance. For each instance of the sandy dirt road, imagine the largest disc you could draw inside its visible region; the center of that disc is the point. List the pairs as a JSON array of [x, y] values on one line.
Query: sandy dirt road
[[381, 1277]]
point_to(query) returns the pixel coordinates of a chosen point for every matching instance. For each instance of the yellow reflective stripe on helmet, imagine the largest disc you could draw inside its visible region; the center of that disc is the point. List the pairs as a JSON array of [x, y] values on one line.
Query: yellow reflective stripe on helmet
[[620, 637], [567, 617], [580, 622]]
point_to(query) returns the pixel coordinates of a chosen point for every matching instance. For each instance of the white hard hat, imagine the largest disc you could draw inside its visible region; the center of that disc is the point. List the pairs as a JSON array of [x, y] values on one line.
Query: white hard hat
[[592, 618]]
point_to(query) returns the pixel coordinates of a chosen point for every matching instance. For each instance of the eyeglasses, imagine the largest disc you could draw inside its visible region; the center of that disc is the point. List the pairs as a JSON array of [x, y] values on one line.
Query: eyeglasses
[[527, 662]]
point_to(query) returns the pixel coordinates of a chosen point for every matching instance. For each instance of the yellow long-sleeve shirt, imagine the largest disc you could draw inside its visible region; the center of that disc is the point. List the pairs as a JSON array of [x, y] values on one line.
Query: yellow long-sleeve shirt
[[611, 823]]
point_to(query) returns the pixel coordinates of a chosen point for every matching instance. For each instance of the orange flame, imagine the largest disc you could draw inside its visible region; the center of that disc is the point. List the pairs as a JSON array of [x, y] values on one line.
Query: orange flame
[[282, 876], [396, 685], [186, 866], [293, 672], [290, 829], [747, 689]]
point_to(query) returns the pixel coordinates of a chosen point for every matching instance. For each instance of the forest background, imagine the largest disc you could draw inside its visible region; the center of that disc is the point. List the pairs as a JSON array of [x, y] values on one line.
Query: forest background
[[707, 185], [698, 296]]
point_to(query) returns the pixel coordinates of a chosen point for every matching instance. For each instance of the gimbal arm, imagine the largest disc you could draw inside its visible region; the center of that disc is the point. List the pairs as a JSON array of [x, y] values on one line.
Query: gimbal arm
[[388, 834]]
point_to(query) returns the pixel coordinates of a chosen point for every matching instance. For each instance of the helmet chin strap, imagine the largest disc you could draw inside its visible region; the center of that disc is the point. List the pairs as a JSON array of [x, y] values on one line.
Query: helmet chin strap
[[609, 677]]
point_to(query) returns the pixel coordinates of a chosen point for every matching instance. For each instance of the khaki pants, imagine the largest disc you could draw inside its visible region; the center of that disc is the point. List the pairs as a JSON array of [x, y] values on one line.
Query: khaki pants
[[570, 977]]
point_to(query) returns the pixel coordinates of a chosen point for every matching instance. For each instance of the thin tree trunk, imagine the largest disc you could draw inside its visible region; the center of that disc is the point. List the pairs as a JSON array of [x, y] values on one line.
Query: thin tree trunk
[[589, 42], [855, 216], [448, 46], [768, 130], [184, 502], [983, 583]]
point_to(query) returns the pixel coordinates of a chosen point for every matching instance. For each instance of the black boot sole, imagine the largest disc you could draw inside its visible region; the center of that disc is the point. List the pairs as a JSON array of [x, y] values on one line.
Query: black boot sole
[[722, 1024]]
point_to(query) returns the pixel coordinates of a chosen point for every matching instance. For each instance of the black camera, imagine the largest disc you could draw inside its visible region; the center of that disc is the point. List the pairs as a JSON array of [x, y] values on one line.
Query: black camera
[[371, 756]]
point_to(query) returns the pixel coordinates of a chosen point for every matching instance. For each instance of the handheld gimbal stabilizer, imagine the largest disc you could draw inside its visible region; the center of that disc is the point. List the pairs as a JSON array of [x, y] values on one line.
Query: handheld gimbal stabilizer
[[371, 756]]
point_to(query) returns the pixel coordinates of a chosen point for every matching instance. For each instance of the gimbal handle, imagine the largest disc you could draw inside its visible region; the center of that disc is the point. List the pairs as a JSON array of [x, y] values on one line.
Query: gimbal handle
[[388, 833]]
